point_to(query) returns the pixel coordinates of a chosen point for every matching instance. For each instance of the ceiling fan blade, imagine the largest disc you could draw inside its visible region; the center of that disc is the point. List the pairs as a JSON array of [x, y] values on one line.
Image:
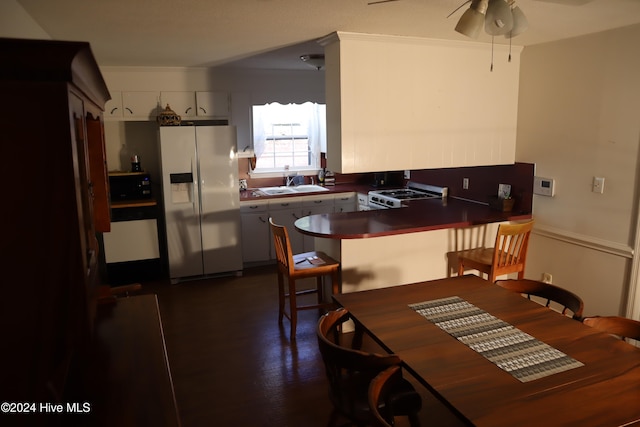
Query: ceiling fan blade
[[380, 1], [458, 8], [568, 2]]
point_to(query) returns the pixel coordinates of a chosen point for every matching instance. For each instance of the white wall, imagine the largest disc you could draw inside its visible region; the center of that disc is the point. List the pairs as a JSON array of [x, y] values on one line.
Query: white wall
[[579, 117], [15, 22]]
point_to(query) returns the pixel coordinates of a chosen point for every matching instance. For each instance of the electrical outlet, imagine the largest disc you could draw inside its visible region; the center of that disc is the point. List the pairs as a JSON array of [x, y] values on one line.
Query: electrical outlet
[[598, 185], [407, 174], [547, 278], [465, 183]]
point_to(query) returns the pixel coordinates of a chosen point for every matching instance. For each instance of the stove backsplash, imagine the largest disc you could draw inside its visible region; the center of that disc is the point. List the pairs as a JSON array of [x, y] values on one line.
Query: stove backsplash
[[483, 182], [392, 179]]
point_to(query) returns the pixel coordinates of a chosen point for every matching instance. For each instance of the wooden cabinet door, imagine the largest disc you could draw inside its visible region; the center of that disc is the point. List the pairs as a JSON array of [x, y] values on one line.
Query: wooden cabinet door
[[99, 184]]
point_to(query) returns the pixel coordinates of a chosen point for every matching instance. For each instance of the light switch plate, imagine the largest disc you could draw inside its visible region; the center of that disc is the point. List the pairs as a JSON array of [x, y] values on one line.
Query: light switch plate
[[598, 185]]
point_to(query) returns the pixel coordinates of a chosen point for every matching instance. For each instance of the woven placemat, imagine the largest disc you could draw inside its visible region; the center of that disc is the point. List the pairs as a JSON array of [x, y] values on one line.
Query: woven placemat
[[516, 352]]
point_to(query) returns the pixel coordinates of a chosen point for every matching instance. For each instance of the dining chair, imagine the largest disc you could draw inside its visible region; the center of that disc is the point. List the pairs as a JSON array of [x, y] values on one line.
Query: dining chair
[[350, 372], [301, 266], [382, 403], [567, 300], [615, 325], [509, 254]]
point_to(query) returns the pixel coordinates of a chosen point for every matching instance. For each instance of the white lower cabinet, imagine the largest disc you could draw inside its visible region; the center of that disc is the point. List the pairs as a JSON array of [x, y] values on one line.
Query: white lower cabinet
[[256, 235], [257, 243], [315, 206], [347, 202]]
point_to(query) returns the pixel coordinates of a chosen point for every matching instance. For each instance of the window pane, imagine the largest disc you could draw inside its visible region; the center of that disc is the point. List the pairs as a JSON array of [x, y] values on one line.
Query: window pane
[[288, 135]]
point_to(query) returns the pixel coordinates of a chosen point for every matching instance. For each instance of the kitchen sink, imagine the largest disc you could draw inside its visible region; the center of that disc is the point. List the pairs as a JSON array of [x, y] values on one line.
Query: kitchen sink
[[305, 188], [274, 191], [309, 188]]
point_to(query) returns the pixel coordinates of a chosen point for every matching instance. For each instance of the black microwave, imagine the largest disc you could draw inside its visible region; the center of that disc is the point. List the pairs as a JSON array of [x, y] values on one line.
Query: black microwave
[[130, 186]]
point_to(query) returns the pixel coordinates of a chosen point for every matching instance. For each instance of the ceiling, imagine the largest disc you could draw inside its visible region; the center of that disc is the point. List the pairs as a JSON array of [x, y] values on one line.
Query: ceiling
[[274, 33]]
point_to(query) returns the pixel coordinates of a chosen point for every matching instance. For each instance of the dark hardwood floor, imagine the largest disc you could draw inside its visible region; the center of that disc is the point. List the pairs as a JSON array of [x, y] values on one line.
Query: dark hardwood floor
[[233, 365]]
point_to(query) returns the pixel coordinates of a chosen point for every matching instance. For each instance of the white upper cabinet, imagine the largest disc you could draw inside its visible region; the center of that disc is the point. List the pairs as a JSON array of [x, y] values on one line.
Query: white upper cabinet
[[240, 117], [212, 104], [396, 103], [133, 105], [183, 103], [203, 104]]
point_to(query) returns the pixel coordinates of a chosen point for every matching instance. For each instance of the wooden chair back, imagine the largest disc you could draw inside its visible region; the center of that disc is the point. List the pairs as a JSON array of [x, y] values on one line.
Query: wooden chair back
[[384, 404], [340, 360], [551, 293], [510, 249], [615, 325], [350, 371], [282, 246]]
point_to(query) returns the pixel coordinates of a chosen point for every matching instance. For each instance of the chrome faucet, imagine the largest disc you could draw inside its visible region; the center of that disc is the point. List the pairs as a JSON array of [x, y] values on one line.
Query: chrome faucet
[[289, 180]]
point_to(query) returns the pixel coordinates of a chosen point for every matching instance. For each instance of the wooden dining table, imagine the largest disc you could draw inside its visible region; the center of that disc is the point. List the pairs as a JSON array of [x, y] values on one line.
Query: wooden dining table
[[601, 389]]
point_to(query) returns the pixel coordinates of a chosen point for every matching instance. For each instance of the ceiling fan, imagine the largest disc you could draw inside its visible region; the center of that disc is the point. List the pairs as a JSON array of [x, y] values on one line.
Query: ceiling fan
[[565, 2], [500, 17]]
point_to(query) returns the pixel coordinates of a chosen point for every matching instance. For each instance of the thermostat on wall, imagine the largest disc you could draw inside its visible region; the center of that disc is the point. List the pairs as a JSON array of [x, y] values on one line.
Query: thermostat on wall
[[544, 186]]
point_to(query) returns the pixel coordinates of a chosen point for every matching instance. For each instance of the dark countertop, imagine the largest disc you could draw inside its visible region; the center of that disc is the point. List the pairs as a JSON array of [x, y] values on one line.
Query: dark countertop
[[419, 215]]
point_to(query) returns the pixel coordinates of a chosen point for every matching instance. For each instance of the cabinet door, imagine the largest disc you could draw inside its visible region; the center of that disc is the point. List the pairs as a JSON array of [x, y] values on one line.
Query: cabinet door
[[183, 103], [113, 107], [140, 105], [315, 206], [347, 202], [98, 172], [256, 235], [241, 119], [212, 104]]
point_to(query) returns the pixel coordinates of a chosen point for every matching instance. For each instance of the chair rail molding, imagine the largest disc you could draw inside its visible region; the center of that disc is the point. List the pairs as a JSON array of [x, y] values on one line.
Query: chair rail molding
[[591, 242]]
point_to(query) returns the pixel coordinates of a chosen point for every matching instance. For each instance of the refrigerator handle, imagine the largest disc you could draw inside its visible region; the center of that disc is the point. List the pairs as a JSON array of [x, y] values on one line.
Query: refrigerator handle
[[195, 187]]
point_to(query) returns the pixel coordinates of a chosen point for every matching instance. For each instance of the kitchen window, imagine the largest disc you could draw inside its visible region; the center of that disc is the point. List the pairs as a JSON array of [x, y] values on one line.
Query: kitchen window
[[288, 137]]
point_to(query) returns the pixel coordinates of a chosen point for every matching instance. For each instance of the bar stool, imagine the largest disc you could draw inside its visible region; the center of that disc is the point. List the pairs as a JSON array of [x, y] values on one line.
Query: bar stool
[[301, 266]]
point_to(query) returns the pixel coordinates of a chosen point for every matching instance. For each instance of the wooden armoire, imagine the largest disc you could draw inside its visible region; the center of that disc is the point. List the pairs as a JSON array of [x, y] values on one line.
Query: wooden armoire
[[55, 201]]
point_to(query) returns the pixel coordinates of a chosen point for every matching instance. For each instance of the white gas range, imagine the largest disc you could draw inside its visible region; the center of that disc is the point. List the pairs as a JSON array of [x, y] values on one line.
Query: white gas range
[[393, 198]]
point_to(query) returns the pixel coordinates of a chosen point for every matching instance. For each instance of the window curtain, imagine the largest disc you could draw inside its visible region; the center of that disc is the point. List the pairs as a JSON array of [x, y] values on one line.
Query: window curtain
[[259, 133], [317, 131]]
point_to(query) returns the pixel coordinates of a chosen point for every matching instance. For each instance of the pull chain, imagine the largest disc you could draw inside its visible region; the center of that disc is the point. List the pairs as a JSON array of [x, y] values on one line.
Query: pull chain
[[492, 37], [510, 33]]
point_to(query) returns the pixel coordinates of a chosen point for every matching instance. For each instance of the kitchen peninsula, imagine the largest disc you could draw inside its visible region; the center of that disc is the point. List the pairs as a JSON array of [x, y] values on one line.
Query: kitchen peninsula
[[390, 247]]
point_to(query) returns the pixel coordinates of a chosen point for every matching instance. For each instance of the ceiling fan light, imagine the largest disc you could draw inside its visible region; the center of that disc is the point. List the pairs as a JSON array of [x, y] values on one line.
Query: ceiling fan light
[[472, 19], [520, 23], [315, 60], [499, 20]]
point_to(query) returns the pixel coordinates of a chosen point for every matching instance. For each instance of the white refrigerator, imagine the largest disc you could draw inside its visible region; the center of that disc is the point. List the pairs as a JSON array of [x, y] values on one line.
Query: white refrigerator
[[201, 200]]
